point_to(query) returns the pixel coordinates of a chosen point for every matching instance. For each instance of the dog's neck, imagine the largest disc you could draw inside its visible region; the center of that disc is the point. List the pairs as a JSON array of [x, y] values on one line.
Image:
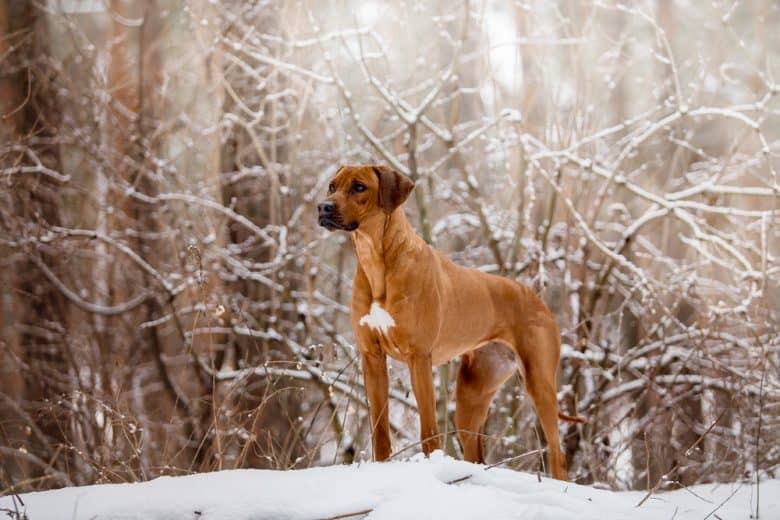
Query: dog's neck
[[381, 244]]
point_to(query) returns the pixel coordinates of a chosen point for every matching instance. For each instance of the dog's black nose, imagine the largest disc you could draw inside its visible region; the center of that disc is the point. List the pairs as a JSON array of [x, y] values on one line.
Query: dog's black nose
[[326, 208]]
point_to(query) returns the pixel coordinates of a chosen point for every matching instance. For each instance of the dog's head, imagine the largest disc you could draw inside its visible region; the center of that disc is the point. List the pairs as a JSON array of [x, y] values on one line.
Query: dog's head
[[358, 193]]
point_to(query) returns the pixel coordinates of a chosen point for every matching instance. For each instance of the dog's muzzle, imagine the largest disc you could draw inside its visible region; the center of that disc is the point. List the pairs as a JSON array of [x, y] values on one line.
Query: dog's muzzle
[[330, 219]]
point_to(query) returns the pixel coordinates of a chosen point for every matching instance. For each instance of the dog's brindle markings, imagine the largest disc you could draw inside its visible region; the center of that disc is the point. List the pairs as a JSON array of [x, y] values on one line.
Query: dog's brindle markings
[[412, 303]]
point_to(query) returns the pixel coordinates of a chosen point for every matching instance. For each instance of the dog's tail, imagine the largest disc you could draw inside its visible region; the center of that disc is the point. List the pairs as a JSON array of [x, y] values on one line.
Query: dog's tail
[[571, 418]]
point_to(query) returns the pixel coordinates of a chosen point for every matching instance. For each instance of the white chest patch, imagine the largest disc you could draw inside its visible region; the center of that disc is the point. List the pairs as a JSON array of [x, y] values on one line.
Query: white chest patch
[[378, 318]]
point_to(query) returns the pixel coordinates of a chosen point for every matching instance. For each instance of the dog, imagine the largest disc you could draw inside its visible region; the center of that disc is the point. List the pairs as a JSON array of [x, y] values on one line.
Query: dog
[[410, 302]]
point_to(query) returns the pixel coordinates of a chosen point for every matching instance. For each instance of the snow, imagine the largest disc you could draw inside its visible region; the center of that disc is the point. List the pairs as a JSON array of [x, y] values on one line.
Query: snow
[[417, 488], [378, 318]]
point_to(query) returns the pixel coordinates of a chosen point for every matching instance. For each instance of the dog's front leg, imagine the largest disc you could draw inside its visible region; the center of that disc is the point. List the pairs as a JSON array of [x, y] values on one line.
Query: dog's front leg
[[421, 370], [375, 377]]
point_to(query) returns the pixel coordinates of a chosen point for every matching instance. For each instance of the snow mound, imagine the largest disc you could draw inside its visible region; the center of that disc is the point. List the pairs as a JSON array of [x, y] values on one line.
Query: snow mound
[[430, 488]]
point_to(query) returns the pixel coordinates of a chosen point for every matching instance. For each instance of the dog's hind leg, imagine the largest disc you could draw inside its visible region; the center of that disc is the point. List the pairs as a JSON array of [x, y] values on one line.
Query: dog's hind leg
[[540, 370], [482, 372]]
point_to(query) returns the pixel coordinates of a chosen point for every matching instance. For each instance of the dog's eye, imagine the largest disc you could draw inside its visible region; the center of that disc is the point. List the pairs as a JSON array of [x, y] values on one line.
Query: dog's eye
[[331, 187], [358, 187]]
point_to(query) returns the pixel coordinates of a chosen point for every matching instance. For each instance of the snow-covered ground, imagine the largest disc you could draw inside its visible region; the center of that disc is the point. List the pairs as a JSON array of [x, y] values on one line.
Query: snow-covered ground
[[417, 488]]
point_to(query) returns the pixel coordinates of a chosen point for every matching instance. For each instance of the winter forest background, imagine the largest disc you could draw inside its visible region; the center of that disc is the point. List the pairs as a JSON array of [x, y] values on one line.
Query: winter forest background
[[169, 304]]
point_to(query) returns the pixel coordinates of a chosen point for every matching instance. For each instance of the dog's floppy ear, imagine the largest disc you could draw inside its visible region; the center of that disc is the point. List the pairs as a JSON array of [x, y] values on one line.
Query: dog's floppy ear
[[393, 188]]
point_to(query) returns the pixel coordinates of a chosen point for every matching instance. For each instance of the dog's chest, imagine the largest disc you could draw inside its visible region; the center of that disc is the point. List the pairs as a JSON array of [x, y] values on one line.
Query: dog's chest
[[378, 319], [389, 332]]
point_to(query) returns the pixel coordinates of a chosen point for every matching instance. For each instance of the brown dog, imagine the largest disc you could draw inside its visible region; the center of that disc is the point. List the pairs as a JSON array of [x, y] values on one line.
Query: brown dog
[[412, 303]]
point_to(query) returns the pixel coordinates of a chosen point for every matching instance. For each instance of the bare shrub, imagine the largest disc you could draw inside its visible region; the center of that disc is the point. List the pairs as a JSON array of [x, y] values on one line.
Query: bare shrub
[[169, 304]]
